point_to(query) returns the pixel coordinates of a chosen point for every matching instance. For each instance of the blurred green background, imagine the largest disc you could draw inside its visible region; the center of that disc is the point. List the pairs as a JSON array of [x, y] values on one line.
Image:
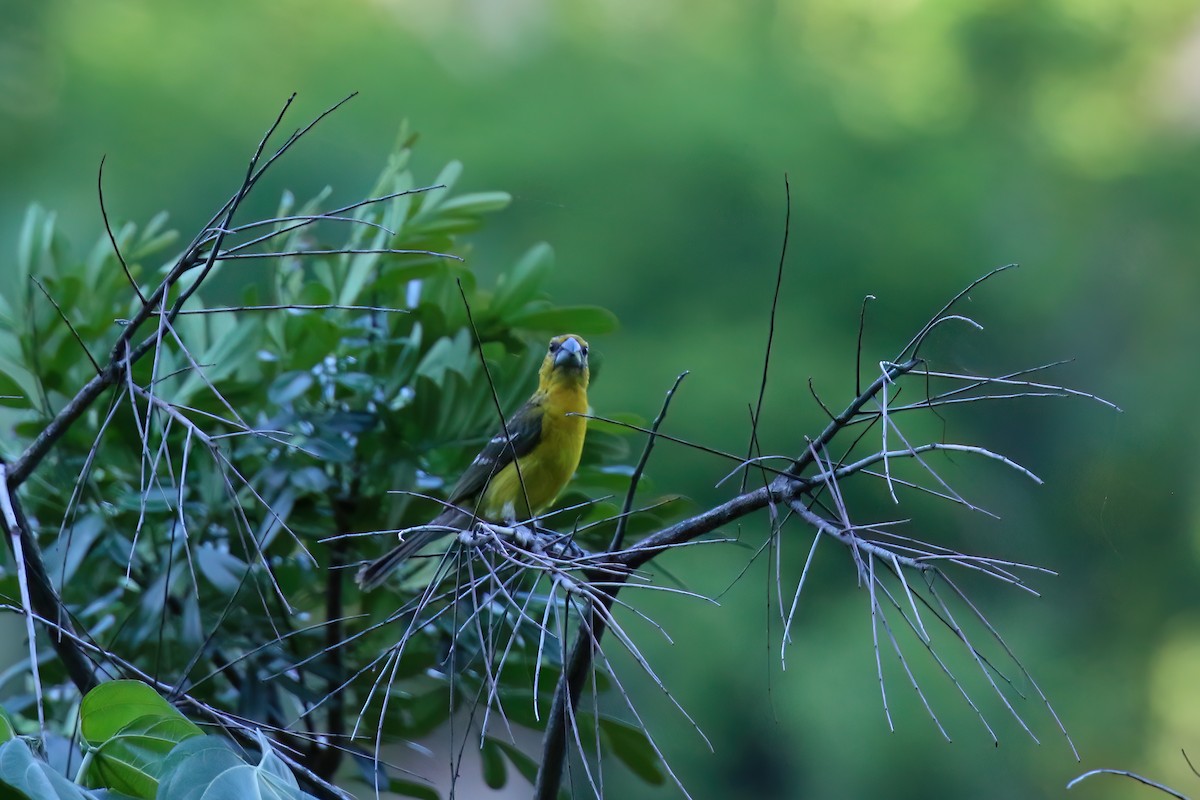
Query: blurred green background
[[925, 141]]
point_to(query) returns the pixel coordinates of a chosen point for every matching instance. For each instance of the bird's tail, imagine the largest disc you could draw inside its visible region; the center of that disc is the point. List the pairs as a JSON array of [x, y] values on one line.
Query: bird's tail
[[373, 573]]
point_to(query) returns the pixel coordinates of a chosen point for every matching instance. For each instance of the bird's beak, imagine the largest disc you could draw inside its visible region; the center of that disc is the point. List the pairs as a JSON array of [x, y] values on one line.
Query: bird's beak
[[569, 353]]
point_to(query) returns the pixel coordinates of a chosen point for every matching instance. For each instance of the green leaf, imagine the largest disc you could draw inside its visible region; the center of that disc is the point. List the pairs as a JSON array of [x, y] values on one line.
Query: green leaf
[[207, 769], [477, 203], [432, 201], [454, 354], [132, 760], [17, 383], [413, 789], [522, 762], [288, 386], [521, 284], [232, 347], [630, 744], [427, 711], [79, 538], [495, 773], [33, 247], [24, 777], [360, 268], [192, 765], [7, 729], [584, 320], [111, 706], [222, 569]]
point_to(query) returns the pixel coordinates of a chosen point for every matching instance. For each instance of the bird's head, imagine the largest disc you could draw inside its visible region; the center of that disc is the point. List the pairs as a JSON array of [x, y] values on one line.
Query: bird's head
[[566, 360]]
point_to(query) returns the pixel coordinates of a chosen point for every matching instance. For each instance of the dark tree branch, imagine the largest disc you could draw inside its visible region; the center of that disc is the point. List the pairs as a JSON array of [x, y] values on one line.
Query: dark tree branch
[[570, 685], [44, 601]]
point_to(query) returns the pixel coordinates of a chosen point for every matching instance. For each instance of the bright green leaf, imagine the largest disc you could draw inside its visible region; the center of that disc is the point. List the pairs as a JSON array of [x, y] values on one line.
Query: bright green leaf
[[7, 729], [111, 706]]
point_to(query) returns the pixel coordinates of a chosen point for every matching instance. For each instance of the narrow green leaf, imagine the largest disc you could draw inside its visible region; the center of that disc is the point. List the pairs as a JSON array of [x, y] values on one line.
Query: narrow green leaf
[[520, 284], [230, 350], [495, 773], [289, 386], [413, 789], [222, 569], [431, 201], [584, 320], [360, 269], [522, 762], [477, 203], [630, 744]]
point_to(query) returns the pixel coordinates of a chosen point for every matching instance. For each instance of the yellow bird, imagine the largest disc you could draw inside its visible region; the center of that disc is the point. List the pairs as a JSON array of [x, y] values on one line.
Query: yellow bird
[[518, 475]]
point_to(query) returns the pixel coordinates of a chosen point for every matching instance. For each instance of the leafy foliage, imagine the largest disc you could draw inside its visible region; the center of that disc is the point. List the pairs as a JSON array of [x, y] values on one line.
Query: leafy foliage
[[195, 520]]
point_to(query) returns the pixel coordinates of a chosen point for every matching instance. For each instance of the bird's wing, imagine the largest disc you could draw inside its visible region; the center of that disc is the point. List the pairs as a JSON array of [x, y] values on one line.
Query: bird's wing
[[524, 433]]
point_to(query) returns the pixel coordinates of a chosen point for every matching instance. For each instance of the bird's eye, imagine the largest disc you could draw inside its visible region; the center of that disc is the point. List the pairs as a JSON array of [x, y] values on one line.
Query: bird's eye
[[553, 346], [585, 351]]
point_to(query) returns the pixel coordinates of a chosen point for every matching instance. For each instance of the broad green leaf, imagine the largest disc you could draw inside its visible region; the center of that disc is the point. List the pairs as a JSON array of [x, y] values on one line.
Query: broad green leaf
[[111, 706], [192, 765], [270, 764], [209, 770], [132, 760], [25, 777]]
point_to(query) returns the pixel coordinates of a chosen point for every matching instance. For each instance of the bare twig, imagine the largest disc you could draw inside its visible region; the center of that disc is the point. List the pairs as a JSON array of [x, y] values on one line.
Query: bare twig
[[1132, 775]]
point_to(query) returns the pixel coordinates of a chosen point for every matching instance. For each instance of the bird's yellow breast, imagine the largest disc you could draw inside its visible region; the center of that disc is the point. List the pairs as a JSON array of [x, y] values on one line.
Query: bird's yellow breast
[[541, 474]]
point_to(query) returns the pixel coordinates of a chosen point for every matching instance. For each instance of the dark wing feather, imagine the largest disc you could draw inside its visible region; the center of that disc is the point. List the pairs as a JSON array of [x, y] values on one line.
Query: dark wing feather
[[524, 432]]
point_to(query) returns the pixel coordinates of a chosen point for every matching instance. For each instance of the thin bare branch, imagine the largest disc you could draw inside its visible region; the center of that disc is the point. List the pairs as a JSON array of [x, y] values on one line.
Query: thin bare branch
[[111, 237]]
